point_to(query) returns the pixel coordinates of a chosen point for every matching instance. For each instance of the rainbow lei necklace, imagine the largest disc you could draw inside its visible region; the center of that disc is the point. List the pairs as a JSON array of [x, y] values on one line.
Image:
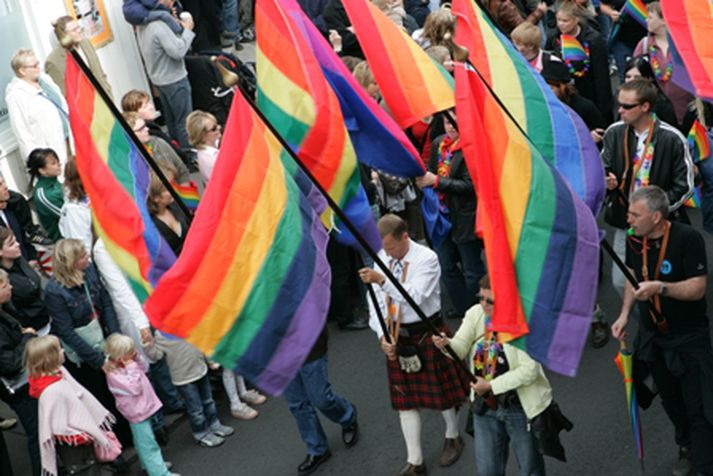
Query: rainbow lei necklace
[[664, 75], [445, 154], [485, 358]]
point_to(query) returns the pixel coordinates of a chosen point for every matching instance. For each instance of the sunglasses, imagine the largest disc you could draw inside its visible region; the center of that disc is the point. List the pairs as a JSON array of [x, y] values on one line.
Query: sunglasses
[[628, 107], [214, 128], [484, 299]]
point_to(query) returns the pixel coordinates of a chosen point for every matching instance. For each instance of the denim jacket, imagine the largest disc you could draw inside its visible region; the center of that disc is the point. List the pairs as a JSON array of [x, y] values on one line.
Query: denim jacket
[[70, 308]]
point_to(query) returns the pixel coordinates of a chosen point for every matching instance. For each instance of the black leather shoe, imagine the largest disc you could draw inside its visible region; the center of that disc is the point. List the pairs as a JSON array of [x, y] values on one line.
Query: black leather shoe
[[350, 434], [312, 462]]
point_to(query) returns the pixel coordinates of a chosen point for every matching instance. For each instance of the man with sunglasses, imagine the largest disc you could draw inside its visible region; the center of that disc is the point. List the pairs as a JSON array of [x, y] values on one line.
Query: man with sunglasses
[[638, 151]]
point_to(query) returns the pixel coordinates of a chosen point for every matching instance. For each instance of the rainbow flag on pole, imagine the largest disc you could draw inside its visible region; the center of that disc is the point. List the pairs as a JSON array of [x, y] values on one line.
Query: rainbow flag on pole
[[636, 9], [251, 287], [413, 85], [699, 142], [690, 27], [561, 137], [296, 98], [541, 240], [116, 179]]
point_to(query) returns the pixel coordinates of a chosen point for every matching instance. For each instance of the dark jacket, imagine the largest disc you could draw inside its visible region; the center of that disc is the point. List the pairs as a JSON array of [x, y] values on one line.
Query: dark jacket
[[460, 193], [19, 217], [28, 305], [174, 241], [335, 18], [12, 345], [70, 308], [671, 168], [595, 84], [314, 9]]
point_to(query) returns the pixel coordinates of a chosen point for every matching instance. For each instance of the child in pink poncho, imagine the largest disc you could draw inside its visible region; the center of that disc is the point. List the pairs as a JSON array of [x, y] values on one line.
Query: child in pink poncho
[[71, 419], [135, 399]]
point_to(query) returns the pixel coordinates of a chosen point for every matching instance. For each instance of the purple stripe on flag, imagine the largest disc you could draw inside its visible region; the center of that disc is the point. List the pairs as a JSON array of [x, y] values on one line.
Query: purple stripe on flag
[[297, 342], [592, 169], [575, 317]]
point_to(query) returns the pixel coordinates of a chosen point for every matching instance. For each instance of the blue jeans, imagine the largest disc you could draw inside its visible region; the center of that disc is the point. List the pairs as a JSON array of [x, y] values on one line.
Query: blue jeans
[[494, 431], [176, 104], [311, 389], [148, 450], [160, 378], [621, 51], [200, 406], [230, 16], [461, 282]]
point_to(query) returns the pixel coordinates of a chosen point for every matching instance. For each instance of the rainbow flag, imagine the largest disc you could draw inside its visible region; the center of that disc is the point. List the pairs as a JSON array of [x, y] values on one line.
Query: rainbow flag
[[636, 9], [413, 85], [296, 98], [695, 200], [690, 26], [541, 240], [624, 362], [189, 194], [699, 142], [116, 179], [572, 50], [258, 299], [557, 131], [378, 141]]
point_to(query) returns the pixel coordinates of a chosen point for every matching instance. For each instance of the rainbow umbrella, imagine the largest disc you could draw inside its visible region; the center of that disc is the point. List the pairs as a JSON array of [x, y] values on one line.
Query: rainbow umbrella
[[625, 363]]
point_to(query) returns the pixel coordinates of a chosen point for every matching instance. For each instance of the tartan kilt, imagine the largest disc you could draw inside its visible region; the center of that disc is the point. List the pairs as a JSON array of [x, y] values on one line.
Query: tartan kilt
[[439, 385]]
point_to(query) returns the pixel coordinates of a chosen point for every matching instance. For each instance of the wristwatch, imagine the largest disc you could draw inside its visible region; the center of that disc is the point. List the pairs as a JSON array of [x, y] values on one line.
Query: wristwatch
[[664, 289]]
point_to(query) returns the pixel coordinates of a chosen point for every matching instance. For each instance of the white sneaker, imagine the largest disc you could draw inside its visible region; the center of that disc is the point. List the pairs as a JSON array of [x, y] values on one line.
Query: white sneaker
[[222, 430], [211, 440], [253, 397], [244, 413]]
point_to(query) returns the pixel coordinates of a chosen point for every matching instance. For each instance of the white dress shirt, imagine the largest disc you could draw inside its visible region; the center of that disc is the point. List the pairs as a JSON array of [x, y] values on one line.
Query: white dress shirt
[[422, 282]]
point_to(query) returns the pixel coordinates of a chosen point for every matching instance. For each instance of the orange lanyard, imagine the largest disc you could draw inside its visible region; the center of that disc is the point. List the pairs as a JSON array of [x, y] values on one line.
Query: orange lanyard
[[645, 265]]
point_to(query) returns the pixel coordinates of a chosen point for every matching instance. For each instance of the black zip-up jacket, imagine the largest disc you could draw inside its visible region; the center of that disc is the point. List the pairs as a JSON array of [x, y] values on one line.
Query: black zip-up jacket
[[12, 345], [28, 304], [458, 187], [671, 168]]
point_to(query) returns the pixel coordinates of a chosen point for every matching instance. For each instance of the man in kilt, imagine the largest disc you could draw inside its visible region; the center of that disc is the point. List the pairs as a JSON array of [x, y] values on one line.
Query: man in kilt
[[419, 375]]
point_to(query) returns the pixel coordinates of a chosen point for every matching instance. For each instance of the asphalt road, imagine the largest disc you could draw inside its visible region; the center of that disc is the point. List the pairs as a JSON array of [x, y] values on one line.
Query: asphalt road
[[599, 444]]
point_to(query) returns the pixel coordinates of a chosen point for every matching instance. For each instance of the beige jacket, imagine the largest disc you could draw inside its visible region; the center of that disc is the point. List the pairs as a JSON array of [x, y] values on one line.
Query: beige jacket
[[525, 376], [56, 65]]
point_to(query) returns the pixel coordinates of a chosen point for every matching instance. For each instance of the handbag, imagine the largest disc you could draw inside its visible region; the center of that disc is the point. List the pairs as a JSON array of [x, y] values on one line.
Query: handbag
[[108, 453], [91, 333]]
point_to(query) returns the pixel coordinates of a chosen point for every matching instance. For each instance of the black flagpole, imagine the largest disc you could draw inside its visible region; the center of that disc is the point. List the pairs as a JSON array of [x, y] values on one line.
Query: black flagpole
[[130, 132]]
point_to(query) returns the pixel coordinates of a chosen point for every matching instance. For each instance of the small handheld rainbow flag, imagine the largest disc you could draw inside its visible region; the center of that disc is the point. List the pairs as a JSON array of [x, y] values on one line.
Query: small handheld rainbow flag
[[636, 9], [188, 193], [695, 200], [572, 50], [699, 142]]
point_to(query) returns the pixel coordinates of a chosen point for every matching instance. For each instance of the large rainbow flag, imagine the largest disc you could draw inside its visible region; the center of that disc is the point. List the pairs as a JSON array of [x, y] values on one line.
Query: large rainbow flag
[[559, 134], [378, 141], [690, 26], [116, 179], [541, 240], [251, 287], [413, 85], [296, 98]]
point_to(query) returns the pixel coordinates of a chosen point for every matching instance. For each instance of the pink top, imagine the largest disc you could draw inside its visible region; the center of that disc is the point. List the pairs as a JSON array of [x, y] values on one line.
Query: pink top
[[134, 395]]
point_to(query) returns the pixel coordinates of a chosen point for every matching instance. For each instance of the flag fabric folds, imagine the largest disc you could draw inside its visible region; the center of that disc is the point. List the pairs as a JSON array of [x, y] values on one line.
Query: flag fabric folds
[[690, 26], [116, 179], [541, 240], [296, 98], [251, 287], [413, 85], [624, 362], [559, 134], [378, 141]]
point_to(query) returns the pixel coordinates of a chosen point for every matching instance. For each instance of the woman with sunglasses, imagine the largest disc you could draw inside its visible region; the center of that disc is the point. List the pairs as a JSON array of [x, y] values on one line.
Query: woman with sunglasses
[[204, 134], [507, 379]]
